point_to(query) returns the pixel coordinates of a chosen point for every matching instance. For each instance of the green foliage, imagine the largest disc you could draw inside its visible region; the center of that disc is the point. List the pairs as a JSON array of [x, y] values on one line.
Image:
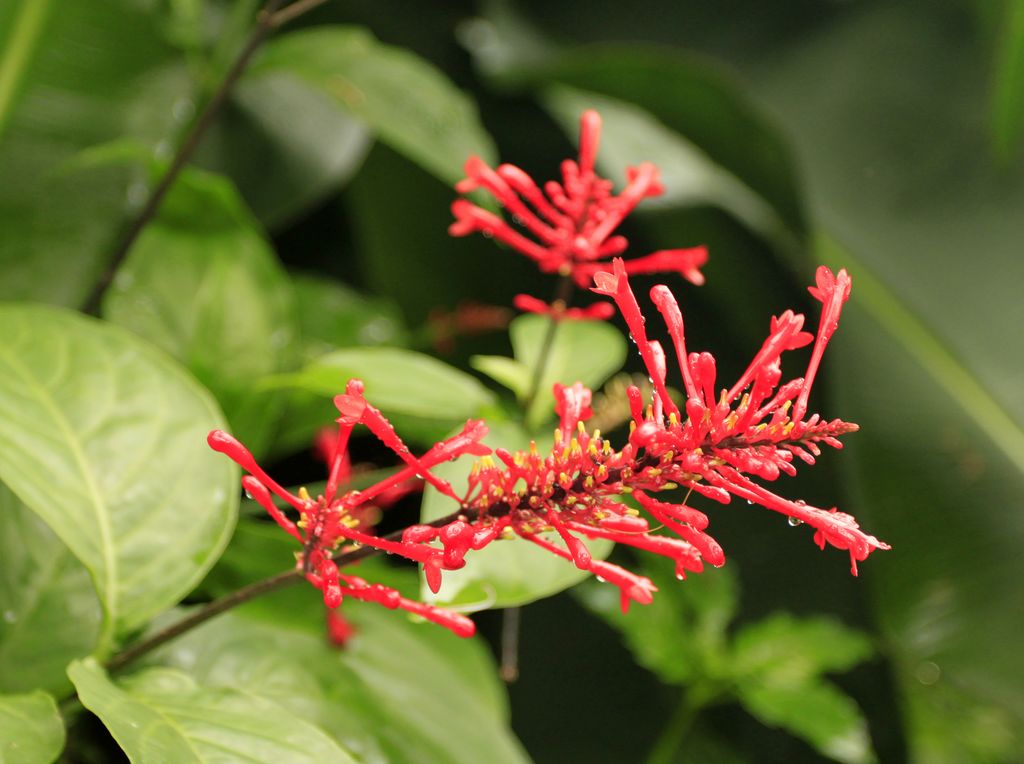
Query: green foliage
[[44, 590], [870, 126], [164, 715], [506, 573], [103, 448], [70, 78], [423, 396], [579, 351], [378, 697], [203, 284], [773, 667], [407, 103], [31, 730]]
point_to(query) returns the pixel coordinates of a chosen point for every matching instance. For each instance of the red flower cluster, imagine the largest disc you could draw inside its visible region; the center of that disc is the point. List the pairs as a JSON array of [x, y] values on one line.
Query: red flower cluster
[[572, 222], [753, 429]]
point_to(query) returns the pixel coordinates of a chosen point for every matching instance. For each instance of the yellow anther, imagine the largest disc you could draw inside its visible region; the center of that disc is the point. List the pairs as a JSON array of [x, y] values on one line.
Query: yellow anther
[[488, 462], [596, 435], [570, 500], [632, 427], [670, 486], [788, 428], [631, 511], [667, 457], [533, 448], [304, 494], [558, 435], [786, 406], [588, 482], [606, 447], [507, 533], [673, 420], [698, 452], [581, 428], [601, 471]]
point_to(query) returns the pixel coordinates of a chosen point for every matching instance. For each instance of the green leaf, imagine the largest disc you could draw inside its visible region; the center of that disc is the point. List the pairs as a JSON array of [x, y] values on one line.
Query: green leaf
[[163, 715], [333, 315], [817, 712], [506, 371], [49, 613], [301, 161], [630, 135], [104, 440], [1008, 85], [682, 635], [581, 351], [694, 106], [72, 76], [408, 103], [203, 284], [505, 573], [398, 692], [787, 649], [423, 396], [31, 730], [931, 234]]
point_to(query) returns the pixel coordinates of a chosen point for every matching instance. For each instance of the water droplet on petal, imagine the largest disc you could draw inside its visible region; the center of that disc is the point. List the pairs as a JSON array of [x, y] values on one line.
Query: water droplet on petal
[[795, 521]]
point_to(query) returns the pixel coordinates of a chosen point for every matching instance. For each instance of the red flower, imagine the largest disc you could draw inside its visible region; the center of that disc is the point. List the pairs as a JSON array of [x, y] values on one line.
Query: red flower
[[714, 446], [569, 226]]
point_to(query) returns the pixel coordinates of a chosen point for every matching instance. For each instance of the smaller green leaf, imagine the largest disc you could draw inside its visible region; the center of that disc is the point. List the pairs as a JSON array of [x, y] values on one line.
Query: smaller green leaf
[[817, 712], [1008, 90], [420, 394], [332, 315], [681, 636], [505, 573], [162, 714], [788, 649], [31, 730], [203, 284], [580, 351], [505, 371], [412, 106]]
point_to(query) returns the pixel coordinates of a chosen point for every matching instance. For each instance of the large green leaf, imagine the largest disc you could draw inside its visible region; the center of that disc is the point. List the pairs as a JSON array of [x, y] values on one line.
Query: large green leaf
[[73, 75], [398, 692], [408, 103], [900, 176], [423, 396], [49, 613], [31, 730], [580, 351], [103, 438], [202, 283], [301, 160], [505, 573], [162, 715]]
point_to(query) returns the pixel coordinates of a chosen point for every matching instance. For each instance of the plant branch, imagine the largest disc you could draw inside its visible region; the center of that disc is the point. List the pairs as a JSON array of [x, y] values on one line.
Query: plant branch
[[256, 589], [270, 17], [562, 295]]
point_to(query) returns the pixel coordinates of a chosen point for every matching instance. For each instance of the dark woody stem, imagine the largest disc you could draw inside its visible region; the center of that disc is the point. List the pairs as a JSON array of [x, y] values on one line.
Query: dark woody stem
[[563, 294], [270, 17]]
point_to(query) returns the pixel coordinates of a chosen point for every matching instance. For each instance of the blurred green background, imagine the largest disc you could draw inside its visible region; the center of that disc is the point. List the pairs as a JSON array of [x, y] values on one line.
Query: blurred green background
[[883, 137]]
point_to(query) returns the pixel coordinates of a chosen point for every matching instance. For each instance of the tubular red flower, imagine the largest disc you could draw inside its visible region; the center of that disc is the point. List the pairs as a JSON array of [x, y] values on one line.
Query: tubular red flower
[[569, 226]]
